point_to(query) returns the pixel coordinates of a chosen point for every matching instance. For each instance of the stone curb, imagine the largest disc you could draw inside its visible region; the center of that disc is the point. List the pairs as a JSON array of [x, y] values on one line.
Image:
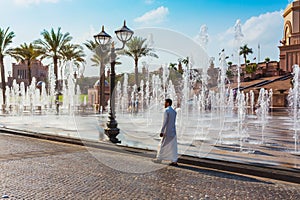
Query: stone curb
[[277, 173]]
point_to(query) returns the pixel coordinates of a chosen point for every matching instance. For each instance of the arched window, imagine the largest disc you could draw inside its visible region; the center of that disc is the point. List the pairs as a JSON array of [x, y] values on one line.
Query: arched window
[[287, 33]]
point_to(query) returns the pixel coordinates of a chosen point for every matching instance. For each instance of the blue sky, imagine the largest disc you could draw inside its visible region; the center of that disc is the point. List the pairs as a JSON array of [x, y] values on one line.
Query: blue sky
[[261, 20]]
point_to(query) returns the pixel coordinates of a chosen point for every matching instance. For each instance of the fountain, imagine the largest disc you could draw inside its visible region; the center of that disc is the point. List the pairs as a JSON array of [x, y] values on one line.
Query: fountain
[[222, 122], [209, 121], [263, 104], [294, 103], [203, 37], [238, 35], [36, 99]]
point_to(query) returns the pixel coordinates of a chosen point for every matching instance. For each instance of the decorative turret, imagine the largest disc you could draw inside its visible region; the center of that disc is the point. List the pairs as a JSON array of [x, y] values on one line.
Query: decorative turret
[[290, 43]]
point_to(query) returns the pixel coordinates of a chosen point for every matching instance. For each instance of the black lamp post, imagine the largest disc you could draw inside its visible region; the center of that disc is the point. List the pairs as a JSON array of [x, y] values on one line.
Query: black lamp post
[[124, 34]]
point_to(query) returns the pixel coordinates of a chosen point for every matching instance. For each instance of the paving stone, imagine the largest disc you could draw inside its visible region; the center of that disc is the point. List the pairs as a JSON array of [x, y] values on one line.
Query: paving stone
[[40, 169]]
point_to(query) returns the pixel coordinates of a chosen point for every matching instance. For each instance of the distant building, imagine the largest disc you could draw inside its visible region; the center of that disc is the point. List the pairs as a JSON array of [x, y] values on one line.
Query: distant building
[[93, 94], [20, 72], [213, 74], [290, 48]]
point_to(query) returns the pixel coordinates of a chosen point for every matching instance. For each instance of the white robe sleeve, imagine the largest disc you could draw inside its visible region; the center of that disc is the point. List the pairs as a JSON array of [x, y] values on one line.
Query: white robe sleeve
[[165, 122]]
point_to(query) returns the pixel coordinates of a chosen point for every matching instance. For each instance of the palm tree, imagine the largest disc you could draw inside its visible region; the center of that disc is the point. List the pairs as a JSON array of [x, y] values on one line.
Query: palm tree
[[137, 48], [26, 53], [185, 61], [6, 37], [251, 69], [173, 66], [101, 57], [267, 59], [229, 74], [53, 45], [73, 53], [245, 50], [180, 70]]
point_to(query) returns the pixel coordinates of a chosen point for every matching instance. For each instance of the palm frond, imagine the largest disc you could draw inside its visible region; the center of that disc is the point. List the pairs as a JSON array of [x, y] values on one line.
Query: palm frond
[[91, 45], [6, 37]]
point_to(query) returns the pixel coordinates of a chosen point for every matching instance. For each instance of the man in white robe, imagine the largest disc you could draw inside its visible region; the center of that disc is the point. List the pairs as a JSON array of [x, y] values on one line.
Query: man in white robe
[[167, 149]]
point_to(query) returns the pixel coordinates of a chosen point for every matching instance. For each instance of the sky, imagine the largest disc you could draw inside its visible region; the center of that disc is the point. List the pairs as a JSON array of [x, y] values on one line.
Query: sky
[[261, 23]]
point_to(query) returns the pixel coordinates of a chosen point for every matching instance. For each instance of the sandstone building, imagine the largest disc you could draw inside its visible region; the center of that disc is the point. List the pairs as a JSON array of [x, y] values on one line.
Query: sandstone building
[[290, 48], [20, 72]]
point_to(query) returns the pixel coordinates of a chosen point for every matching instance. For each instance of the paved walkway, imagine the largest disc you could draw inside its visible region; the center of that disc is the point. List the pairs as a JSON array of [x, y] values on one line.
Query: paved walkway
[[40, 169]]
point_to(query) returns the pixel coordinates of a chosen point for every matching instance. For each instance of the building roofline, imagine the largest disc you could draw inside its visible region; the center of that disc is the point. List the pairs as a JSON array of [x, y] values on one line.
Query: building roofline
[[292, 6]]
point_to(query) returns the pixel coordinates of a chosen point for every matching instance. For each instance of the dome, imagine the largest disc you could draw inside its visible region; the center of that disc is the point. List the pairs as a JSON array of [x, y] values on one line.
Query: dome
[[39, 84], [98, 83]]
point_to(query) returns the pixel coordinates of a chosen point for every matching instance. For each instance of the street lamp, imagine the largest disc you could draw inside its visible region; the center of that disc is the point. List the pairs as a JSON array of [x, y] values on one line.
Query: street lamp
[[124, 34], [103, 40]]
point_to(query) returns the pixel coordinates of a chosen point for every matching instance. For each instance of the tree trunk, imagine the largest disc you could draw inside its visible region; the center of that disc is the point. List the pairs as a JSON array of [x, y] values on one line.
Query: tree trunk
[[57, 85], [3, 83], [136, 72], [55, 68], [29, 76], [102, 88], [29, 73]]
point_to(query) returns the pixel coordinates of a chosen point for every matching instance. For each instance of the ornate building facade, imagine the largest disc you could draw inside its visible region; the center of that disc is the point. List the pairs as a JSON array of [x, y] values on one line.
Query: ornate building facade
[[20, 72], [290, 44]]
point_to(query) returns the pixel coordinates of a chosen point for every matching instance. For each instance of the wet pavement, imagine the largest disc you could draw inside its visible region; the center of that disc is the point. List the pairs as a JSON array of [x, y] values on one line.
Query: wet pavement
[[277, 149], [42, 169]]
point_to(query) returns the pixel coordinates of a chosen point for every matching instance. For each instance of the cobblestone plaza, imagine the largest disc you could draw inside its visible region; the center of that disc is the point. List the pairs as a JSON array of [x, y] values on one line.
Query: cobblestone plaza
[[41, 169]]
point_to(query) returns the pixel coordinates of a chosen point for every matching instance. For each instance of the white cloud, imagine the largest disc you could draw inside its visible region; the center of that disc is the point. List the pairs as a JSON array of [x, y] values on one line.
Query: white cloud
[[149, 1], [28, 2], [265, 29], [155, 16]]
